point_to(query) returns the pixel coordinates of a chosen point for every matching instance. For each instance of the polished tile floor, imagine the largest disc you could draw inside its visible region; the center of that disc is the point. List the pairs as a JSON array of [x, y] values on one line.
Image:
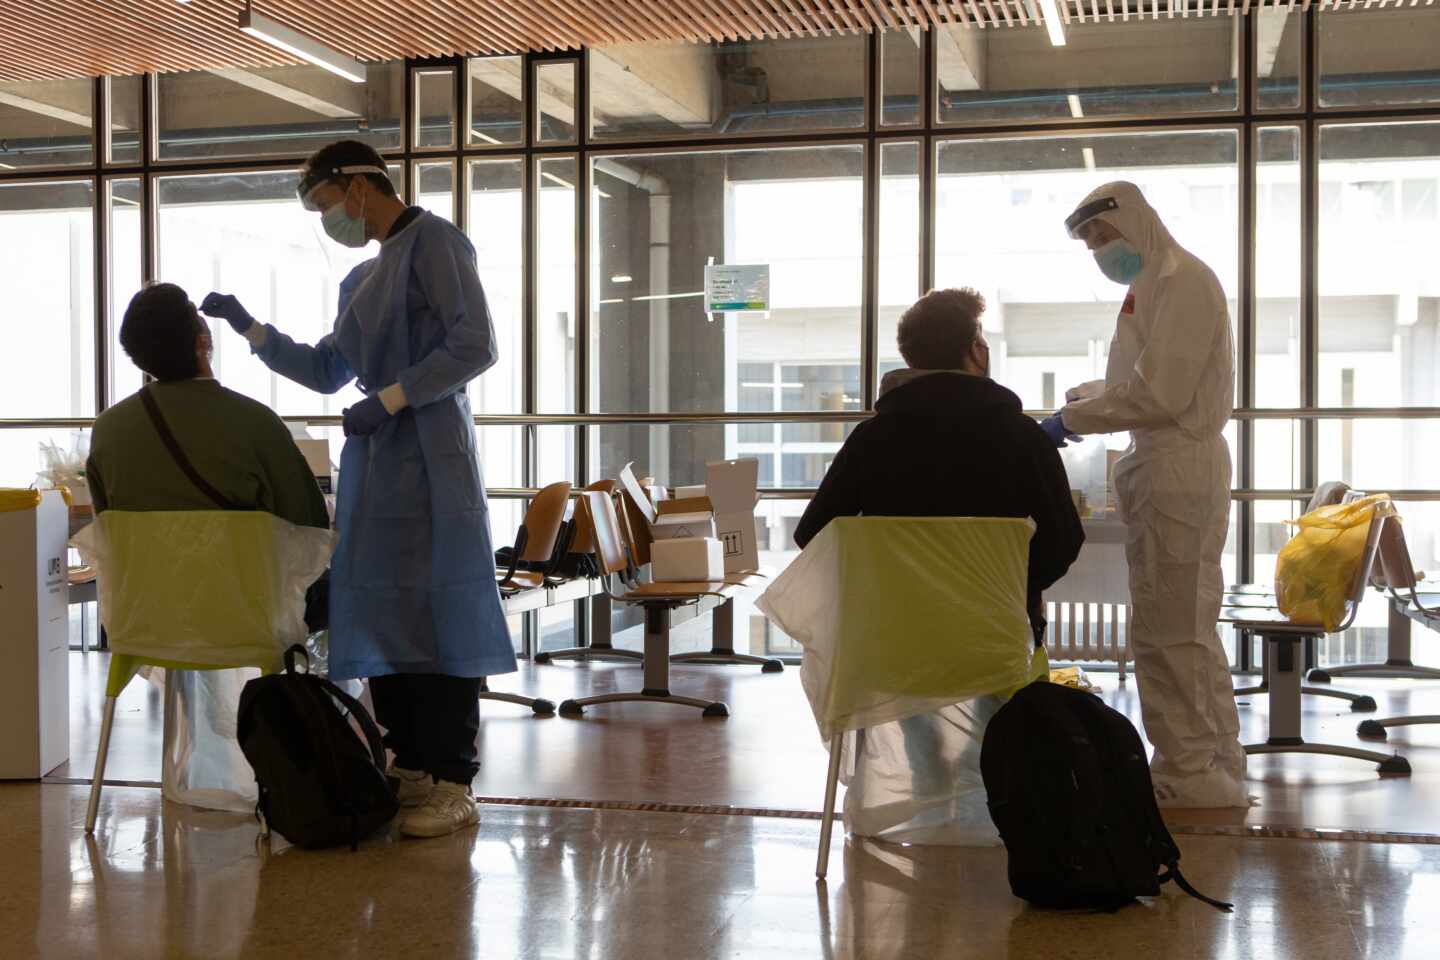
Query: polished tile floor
[[165, 881], [767, 754]]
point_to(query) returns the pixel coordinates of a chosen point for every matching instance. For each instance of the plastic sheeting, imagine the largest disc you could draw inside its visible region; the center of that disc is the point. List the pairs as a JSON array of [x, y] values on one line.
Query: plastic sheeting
[[900, 616], [914, 631], [918, 780], [203, 764], [203, 586]]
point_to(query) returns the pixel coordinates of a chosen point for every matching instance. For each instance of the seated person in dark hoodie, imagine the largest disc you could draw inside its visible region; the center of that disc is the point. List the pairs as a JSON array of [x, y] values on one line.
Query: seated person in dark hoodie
[[946, 440]]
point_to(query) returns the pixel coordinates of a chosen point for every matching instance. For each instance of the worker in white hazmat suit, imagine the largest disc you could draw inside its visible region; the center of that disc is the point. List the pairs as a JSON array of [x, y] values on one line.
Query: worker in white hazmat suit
[[1170, 381]]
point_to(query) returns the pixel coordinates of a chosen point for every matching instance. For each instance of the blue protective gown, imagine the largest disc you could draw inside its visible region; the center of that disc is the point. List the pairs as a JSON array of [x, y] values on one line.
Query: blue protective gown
[[412, 584]]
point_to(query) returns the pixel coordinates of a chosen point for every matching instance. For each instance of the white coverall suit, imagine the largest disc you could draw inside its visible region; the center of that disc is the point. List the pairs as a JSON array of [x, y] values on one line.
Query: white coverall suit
[[1170, 381]]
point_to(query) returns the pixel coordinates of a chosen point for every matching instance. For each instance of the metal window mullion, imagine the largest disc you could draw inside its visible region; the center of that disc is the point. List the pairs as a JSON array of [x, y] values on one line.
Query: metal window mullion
[[870, 291], [1309, 281], [928, 146], [100, 211]]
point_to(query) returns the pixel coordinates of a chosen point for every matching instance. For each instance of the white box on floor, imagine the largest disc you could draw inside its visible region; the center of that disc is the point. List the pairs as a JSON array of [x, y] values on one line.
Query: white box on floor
[[35, 627], [690, 560]]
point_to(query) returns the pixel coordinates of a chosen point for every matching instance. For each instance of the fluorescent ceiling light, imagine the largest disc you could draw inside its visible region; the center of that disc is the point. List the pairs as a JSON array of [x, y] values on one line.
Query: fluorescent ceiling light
[[297, 44], [546, 174], [481, 134], [1052, 23], [1075, 110], [621, 278], [1089, 156], [671, 296]]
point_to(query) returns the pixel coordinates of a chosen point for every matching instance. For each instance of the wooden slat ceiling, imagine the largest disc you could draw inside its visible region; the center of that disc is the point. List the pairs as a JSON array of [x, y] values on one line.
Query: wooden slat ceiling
[[50, 39]]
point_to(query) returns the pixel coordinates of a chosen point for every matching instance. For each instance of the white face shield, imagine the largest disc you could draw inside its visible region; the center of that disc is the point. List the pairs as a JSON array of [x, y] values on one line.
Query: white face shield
[[312, 180]]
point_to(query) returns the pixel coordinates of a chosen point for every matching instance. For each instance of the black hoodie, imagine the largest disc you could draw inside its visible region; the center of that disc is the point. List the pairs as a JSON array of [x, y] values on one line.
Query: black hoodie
[[948, 444]]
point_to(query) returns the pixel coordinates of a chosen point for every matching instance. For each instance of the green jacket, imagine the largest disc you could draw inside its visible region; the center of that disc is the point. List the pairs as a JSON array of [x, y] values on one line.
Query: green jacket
[[238, 445]]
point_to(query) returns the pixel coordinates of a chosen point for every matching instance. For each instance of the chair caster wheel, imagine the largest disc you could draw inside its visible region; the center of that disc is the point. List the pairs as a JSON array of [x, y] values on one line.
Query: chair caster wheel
[[1314, 676], [714, 710], [569, 708], [1363, 705], [542, 658], [772, 666], [543, 708], [1372, 730], [1396, 765]]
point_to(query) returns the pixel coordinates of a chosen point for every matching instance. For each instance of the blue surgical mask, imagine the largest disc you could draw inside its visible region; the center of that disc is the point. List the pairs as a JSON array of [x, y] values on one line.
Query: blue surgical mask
[[1119, 261], [342, 228]]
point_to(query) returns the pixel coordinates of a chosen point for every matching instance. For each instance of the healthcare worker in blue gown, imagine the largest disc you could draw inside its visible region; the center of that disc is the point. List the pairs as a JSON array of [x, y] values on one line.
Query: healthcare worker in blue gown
[[413, 601]]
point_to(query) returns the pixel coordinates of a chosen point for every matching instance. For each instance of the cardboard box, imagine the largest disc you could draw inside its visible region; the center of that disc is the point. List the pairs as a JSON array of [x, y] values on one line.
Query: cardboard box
[[689, 560], [35, 612], [317, 455], [731, 486], [683, 519]]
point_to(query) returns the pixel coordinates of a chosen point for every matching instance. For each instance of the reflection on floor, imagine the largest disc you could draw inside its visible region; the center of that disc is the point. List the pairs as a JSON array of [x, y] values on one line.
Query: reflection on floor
[[165, 881], [767, 754]]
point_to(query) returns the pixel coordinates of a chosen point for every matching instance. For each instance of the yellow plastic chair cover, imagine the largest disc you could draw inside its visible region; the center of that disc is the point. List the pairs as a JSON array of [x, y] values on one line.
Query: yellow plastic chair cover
[[197, 589], [900, 616]]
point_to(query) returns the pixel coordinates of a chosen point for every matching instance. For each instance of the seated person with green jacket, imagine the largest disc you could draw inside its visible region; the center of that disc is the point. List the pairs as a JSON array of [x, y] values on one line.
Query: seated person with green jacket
[[237, 446]]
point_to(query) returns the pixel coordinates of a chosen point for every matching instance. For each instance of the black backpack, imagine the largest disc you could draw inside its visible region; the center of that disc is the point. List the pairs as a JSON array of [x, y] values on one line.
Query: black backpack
[[320, 785], [1069, 789]]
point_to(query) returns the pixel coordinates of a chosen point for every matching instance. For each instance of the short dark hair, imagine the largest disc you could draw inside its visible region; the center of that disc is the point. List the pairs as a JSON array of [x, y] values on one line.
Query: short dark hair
[[160, 330], [350, 153], [940, 329]]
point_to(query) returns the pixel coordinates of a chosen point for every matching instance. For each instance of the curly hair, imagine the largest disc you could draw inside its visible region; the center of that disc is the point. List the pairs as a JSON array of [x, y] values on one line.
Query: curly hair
[[940, 329]]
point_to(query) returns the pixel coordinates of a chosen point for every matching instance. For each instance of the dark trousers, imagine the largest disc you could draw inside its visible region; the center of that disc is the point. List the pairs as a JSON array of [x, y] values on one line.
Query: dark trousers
[[431, 721]]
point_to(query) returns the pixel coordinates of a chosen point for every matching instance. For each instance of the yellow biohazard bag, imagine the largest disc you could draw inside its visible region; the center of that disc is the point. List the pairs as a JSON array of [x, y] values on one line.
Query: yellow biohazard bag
[[1315, 572]]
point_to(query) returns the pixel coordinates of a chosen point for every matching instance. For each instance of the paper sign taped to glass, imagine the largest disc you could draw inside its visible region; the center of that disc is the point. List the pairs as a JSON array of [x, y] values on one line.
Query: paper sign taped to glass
[[731, 286]]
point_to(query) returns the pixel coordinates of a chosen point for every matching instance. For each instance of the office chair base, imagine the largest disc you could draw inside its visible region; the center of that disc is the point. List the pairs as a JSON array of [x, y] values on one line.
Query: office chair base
[[585, 654], [1391, 670], [1359, 702], [709, 708], [1391, 764], [1377, 729], [723, 656]]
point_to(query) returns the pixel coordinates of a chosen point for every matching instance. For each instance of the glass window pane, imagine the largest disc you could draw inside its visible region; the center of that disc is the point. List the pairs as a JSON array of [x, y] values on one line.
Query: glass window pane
[[276, 111], [126, 99], [497, 104], [555, 102], [1000, 211], [660, 218], [1277, 267], [901, 63], [47, 123], [501, 451], [1379, 302], [1141, 67], [899, 249], [435, 188], [246, 234], [47, 237], [1379, 456], [645, 90], [1378, 57], [435, 107], [1278, 461], [555, 454], [555, 269], [497, 229], [1279, 42], [125, 276]]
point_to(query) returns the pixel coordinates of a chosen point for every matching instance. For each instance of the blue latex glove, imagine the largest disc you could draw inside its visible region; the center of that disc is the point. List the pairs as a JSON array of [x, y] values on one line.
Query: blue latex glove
[[1056, 430], [227, 308], [364, 418]]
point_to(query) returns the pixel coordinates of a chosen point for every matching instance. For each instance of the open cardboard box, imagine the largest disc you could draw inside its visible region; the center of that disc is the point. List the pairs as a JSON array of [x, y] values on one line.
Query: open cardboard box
[[730, 494]]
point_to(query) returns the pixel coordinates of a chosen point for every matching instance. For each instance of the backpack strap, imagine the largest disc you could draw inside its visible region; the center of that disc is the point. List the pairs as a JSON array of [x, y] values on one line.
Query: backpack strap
[[181, 461], [355, 710], [1173, 873]]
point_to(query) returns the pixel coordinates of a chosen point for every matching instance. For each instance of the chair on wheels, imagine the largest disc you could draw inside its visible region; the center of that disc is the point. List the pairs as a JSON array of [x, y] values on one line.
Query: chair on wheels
[[656, 599], [1284, 640], [1262, 597], [196, 590], [1408, 601], [535, 546], [600, 649]]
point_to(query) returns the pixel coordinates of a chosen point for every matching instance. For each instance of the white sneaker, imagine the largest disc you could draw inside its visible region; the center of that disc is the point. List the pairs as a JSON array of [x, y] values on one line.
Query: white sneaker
[[449, 807], [414, 786]]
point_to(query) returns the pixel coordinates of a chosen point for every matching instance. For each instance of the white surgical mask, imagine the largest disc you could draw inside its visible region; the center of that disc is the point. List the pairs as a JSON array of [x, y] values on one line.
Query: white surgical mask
[[342, 228]]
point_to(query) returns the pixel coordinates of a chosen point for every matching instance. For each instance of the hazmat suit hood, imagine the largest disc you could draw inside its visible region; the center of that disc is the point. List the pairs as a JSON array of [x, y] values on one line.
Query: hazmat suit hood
[[1124, 207]]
